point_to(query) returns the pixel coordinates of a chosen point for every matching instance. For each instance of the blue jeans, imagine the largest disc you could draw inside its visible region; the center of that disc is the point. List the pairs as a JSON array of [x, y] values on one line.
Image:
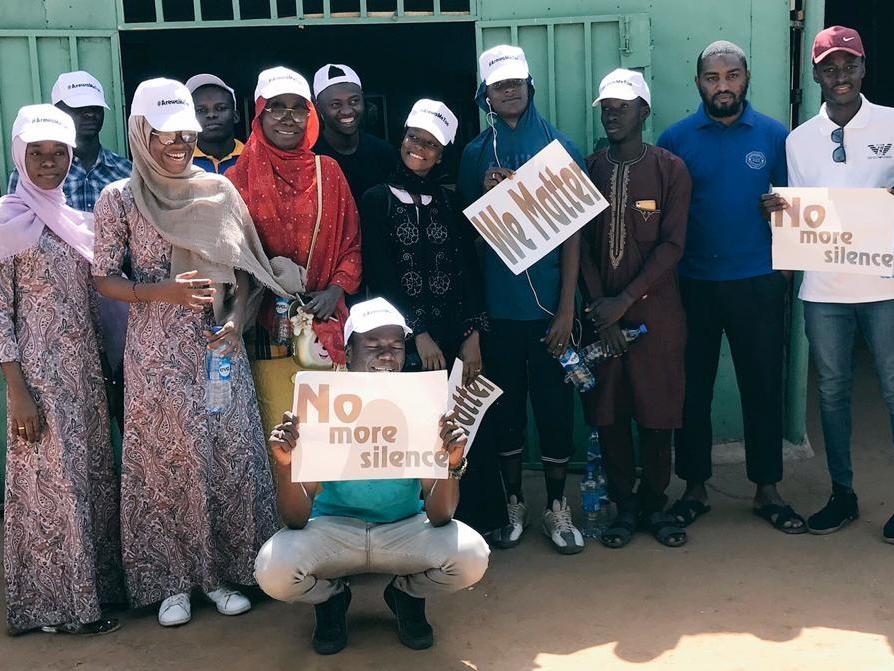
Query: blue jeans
[[831, 328]]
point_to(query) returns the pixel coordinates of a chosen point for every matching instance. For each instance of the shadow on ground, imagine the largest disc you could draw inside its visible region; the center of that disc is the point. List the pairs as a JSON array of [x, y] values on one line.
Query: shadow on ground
[[739, 596]]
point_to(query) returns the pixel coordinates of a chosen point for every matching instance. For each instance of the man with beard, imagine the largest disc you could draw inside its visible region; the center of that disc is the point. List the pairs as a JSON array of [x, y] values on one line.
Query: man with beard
[[365, 159], [217, 149], [847, 145], [403, 528], [734, 154]]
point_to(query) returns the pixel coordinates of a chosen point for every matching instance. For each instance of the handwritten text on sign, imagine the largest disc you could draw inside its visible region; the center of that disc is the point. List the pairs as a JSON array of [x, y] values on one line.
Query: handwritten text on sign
[[526, 217], [470, 403], [369, 426], [835, 230]]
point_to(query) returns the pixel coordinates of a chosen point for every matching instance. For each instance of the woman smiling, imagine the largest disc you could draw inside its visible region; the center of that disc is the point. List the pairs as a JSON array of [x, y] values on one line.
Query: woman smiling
[[197, 495], [61, 521]]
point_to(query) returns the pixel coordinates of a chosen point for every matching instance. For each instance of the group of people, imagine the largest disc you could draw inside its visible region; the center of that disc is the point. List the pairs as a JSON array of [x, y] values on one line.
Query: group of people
[[123, 276]]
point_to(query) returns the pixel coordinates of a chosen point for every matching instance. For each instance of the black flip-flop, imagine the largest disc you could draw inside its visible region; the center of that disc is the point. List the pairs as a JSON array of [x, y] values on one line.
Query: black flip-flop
[[686, 511], [620, 531], [778, 515], [90, 629], [665, 529]]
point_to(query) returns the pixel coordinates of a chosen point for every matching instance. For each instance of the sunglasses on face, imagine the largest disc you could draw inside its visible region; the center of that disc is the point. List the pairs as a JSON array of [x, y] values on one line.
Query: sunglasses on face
[[170, 137], [508, 84], [838, 154], [414, 139], [279, 113]]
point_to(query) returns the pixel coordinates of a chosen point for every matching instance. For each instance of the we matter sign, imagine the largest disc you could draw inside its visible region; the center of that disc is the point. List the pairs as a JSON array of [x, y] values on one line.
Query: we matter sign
[[835, 230], [524, 218]]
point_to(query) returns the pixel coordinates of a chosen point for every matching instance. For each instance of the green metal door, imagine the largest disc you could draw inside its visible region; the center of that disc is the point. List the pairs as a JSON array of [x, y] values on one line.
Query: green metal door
[[569, 56], [30, 61]]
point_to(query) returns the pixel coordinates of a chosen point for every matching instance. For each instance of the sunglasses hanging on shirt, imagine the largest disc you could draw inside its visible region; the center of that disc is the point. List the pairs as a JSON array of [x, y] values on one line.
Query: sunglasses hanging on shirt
[[838, 154]]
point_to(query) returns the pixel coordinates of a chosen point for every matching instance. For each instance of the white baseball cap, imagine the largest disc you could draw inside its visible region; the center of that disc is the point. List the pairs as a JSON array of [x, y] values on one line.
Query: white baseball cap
[[78, 89], [36, 123], [205, 79], [503, 62], [323, 79], [166, 104], [372, 314], [624, 85], [435, 117], [276, 81]]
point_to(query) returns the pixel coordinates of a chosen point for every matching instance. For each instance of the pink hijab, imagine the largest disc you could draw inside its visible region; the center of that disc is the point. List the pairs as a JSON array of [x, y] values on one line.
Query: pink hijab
[[23, 214]]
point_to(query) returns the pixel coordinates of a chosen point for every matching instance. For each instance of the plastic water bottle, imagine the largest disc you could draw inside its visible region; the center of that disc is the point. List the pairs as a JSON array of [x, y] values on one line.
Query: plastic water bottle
[[219, 385], [576, 371], [594, 492], [281, 337], [599, 350]]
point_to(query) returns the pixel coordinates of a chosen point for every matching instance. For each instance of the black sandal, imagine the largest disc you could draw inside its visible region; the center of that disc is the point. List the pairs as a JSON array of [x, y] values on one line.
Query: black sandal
[[620, 531], [665, 529], [778, 516], [686, 511], [89, 629]]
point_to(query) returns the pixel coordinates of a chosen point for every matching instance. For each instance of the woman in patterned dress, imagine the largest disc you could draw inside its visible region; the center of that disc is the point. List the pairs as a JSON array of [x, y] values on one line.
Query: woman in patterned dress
[[197, 496], [61, 549]]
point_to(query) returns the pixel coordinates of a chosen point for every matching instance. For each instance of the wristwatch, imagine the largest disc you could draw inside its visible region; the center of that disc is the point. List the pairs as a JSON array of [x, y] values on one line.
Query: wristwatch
[[459, 471]]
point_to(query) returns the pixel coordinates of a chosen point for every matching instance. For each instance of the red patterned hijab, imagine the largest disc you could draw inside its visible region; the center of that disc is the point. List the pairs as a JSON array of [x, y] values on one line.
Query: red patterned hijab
[[280, 189]]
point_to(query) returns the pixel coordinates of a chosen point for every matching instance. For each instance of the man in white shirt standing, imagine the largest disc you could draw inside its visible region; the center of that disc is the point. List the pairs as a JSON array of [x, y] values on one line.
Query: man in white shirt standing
[[850, 143]]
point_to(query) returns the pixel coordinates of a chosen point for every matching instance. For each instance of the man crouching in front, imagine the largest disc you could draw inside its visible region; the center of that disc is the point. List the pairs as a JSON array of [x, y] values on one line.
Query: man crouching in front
[[338, 529]]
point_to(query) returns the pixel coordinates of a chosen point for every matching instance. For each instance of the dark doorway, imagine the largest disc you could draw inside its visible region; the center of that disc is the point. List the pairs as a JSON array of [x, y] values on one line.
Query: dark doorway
[[398, 64], [871, 18]]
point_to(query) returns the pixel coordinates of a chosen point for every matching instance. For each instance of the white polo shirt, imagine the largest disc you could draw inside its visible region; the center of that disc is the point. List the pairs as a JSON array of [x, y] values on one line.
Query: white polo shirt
[[869, 145]]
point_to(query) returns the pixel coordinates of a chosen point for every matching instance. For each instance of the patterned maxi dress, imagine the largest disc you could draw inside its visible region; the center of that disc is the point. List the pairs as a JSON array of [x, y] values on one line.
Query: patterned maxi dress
[[61, 550], [197, 498]]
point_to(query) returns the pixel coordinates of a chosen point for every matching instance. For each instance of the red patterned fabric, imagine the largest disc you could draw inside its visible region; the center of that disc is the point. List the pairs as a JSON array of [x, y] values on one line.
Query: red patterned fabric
[[280, 190]]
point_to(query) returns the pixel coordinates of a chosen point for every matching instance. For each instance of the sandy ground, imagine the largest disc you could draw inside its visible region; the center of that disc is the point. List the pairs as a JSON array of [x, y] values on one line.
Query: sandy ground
[[739, 596]]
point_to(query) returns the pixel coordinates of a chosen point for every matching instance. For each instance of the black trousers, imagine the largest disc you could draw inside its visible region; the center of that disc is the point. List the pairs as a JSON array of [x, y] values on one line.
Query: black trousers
[[752, 314]]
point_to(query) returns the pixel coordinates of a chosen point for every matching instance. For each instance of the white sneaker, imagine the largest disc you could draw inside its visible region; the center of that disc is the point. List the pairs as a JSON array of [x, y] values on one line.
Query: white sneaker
[[559, 528], [174, 610], [510, 535], [229, 601]]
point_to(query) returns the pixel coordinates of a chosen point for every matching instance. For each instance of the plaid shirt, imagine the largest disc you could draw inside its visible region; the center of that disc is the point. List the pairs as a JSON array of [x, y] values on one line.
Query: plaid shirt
[[82, 187]]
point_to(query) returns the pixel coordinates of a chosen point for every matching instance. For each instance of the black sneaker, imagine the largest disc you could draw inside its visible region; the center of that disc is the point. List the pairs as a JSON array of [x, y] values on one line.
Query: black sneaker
[[331, 632], [413, 628], [888, 531], [837, 514]]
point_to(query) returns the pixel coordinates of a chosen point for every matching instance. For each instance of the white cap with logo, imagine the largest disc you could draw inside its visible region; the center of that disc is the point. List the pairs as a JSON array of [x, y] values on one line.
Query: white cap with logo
[[205, 79], [78, 89], [276, 81], [325, 77], [372, 314], [36, 123], [166, 104], [624, 85], [503, 62], [435, 117]]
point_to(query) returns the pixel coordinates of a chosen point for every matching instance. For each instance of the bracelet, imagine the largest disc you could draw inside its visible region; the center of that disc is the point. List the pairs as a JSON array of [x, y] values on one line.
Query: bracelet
[[459, 471], [133, 290]]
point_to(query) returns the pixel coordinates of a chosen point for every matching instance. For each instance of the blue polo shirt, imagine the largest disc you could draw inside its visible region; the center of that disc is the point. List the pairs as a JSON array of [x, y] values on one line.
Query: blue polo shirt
[[731, 167]]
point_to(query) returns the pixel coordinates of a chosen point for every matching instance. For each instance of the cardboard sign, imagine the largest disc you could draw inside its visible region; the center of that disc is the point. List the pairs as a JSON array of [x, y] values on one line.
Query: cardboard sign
[[369, 426], [835, 230], [526, 217], [471, 402]]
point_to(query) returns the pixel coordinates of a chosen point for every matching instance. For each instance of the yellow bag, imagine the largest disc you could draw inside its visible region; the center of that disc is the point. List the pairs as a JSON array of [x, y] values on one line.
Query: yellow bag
[[275, 387]]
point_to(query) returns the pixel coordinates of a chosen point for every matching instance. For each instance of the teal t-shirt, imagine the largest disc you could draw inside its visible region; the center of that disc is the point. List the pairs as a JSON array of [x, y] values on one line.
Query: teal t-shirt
[[378, 501]]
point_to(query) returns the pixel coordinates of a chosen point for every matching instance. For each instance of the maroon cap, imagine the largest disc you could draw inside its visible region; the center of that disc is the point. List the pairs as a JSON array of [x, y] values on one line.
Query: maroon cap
[[837, 38]]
